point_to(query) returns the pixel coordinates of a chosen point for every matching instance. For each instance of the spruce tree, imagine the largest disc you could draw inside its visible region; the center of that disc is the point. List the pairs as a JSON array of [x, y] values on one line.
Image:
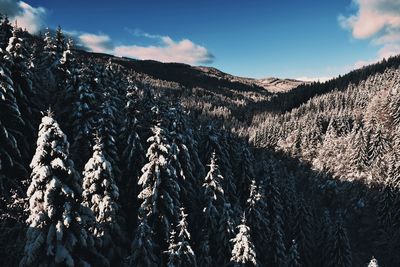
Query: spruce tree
[[22, 80], [213, 194], [245, 173], [340, 251], [107, 130], [276, 247], [216, 213], [373, 263], [5, 32], [144, 248], [293, 257], [159, 193], [50, 50], [100, 195], [82, 117], [60, 44], [56, 234], [359, 157], [133, 154], [180, 253], [257, 219], [11, 164], [303, 232], [243, 252]]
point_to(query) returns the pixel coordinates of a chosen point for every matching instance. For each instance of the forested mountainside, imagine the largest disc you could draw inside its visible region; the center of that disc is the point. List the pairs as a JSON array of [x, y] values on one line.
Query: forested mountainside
[[108, 161]]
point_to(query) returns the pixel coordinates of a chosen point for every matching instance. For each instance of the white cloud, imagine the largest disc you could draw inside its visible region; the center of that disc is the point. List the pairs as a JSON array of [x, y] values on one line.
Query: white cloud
[[28, 17], [372, 17], [96, 42], [184, 51], [389, 50], [166, 49], [377, 20]]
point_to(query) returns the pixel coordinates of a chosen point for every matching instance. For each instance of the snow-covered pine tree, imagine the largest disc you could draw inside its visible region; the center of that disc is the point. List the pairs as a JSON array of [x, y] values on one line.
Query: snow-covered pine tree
[[11, 164], [204, 253], [108, 131], [303, 232], [276, 246], [5, 32], [373, 263], [159, 187], [22, 80], [37, 65], [213, 194], [243, 252], [82, 117], [257, 219], [60, 44], [340, 251], [50, 50], [293, 257], [217, 214], [387, 208], [324, 238], [359, 156], [67, 82], [108, 122], [214, 141], [133, 154], [144, 247], [67, 59], [393, 108], [180, 253], [245, 174], [181, 157], [36, 62], [379, 146], [56, 234], [100, 194], [225, 232]]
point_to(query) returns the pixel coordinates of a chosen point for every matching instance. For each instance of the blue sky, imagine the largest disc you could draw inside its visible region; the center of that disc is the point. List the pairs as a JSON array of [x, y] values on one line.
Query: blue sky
[[255, 38]]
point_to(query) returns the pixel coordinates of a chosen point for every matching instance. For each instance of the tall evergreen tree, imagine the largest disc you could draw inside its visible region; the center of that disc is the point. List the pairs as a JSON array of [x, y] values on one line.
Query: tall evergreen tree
[[133, 154], [11, 165], [100, 194], [303, 232], [60, 44], [293, 258], [22, 80], [257, 220], [82, 117], [216, 213], [5, 32], [359, 157], [144, 249], [56, 234], [159, 188], [243, 252], [180, 252], [341, 251], [276, 248]]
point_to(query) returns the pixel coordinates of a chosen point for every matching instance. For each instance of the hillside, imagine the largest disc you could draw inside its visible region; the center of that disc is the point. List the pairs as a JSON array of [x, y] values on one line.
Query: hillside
[[108, 161]]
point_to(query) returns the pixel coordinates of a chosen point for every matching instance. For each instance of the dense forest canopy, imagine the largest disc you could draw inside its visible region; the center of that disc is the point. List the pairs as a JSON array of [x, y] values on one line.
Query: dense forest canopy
[[108, 161]]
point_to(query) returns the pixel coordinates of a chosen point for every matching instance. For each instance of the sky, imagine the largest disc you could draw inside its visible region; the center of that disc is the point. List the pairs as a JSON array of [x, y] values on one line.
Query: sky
[[305, 39]]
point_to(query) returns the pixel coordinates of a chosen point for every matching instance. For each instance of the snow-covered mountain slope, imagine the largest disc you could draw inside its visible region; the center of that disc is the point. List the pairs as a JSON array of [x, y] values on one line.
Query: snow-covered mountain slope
[[271, 84]]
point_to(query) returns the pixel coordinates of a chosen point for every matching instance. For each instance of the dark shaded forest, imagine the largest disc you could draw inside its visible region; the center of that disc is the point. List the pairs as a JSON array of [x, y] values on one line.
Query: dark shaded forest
[[108, 161]]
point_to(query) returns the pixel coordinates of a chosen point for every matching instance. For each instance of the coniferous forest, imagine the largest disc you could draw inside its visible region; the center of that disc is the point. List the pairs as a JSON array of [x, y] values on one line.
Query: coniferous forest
[[110, 161]]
